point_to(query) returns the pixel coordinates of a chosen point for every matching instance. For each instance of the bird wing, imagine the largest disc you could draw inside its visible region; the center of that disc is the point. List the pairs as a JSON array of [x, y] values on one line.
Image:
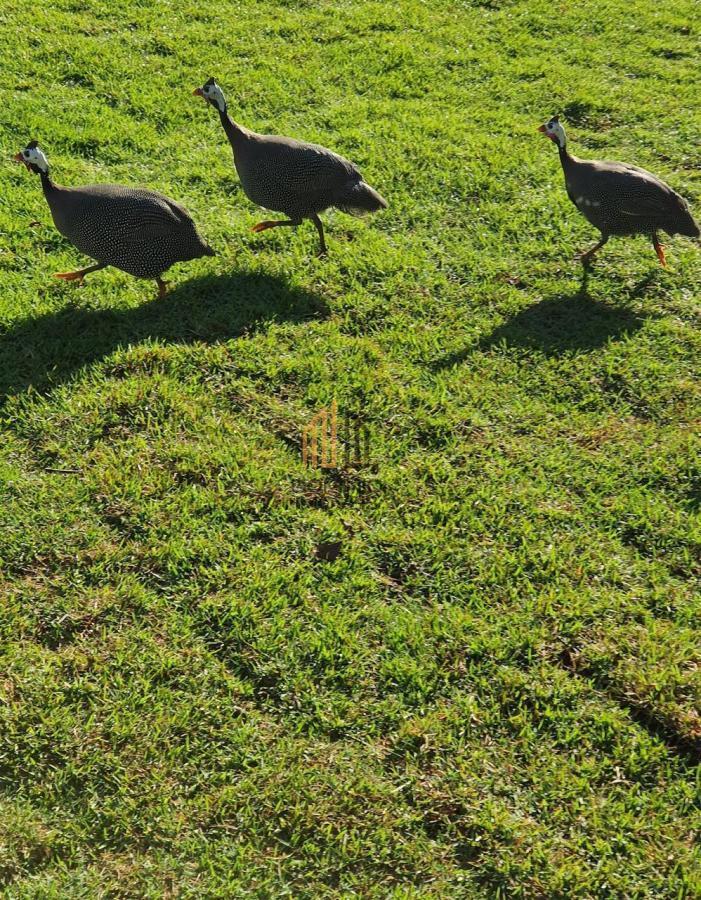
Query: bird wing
[[179, 211], [99, 218], [624, 199], [632, 191], [159, 215], [307, 167]]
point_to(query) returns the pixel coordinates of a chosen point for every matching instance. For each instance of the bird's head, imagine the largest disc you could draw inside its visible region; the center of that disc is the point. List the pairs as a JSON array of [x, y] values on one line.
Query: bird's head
[[213, 94], [33, 158], [553, 130]]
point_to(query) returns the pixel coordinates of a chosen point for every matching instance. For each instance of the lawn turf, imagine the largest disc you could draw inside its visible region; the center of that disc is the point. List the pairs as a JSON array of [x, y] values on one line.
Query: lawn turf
[[493, 690]]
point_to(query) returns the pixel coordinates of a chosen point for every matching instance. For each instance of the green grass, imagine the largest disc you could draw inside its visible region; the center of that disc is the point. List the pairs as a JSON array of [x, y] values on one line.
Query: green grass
[[494, 689]]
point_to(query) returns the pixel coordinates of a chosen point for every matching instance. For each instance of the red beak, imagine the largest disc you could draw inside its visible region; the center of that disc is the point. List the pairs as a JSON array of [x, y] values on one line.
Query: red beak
[[18, 158], [198, 92], [543, 129]]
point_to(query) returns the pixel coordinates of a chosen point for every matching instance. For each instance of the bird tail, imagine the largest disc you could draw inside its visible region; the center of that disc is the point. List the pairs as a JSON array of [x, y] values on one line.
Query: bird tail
[[358, 198], [694, 230], [688, 227], [685, 223]]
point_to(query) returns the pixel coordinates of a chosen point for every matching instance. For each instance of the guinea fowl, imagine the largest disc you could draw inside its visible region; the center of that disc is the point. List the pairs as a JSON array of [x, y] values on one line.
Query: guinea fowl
[[293, 177], [139, 231], [620, 199]]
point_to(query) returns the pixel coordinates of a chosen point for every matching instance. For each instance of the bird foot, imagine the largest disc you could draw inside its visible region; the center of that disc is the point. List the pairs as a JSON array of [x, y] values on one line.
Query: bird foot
[[659, 249], [162, 288], [70, 276], [322, 253]]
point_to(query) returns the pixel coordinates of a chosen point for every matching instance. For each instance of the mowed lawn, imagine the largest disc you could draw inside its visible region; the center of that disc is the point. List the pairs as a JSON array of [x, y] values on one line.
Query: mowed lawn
[[493, 690]]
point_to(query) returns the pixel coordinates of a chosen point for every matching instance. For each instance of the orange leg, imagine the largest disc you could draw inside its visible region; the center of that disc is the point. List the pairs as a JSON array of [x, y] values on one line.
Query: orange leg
[[659, 250], [264, 226], [80, 274]]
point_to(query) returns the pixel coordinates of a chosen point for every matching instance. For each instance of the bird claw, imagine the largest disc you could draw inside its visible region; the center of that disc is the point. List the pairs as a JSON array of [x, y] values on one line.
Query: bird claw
[[70, 276]]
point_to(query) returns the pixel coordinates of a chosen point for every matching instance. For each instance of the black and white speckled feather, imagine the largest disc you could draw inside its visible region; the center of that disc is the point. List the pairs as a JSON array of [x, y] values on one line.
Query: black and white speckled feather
[[298, 178], [139, 231], [621, 199], [293, 177]]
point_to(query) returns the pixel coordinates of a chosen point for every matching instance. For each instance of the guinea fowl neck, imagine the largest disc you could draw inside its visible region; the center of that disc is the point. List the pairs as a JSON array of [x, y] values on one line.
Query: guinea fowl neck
[[47, 184], [566, 157], [236, 134]]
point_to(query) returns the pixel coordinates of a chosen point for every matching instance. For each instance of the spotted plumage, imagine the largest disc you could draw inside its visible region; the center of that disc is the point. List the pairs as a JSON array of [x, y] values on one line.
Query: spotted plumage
[[293, 177], [621, 199], [139, 231]]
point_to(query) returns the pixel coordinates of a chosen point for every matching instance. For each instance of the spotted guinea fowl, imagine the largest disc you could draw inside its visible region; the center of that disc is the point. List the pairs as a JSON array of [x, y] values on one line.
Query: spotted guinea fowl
[[139, 231], [293, 177], [620, 199]]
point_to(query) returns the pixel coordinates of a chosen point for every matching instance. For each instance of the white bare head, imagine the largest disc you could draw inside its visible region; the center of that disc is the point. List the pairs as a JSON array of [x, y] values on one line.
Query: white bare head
[[33, 158], [555, 132], [213, 94]]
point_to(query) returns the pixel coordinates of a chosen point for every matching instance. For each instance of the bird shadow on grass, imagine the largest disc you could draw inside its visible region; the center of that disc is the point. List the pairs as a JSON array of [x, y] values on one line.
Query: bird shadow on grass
[[44, 351], [557, 325]]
